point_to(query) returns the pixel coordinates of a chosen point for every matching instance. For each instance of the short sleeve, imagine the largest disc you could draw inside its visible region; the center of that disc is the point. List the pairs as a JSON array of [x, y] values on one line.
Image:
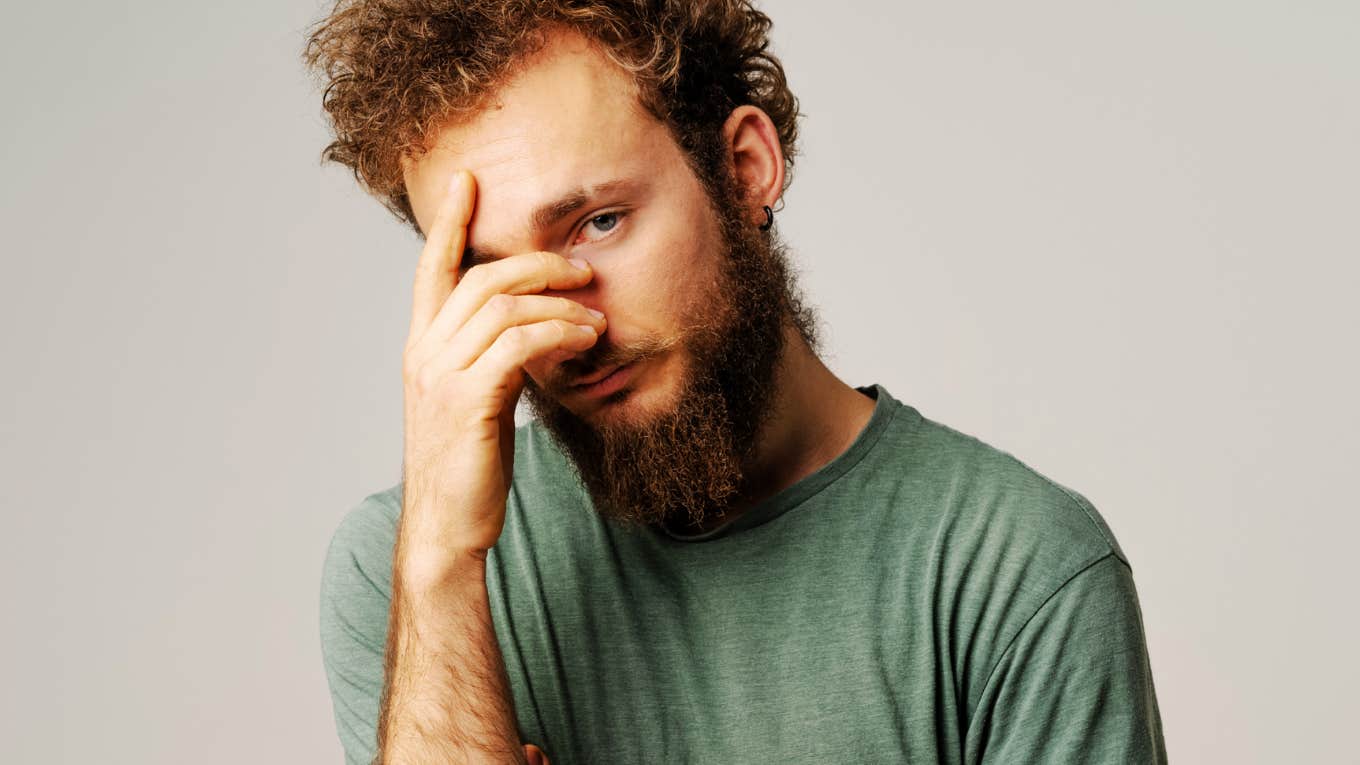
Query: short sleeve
[[1075, 685], [356, 588]]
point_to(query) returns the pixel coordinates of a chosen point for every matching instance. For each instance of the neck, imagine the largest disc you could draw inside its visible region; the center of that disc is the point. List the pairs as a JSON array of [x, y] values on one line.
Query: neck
[[814, 418]]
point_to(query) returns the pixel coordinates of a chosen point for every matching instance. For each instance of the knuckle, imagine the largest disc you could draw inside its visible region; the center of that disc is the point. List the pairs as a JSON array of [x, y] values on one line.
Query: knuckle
[[426, 380], [548, 259], [475, 276], [516, 339], [409, 366], [501, 304]]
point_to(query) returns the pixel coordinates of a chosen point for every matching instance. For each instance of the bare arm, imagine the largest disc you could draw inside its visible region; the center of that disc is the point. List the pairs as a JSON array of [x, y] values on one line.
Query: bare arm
[[446, 697]]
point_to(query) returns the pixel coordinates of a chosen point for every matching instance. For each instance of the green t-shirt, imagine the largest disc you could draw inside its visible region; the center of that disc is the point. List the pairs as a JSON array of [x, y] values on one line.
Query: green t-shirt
[[924, 597]]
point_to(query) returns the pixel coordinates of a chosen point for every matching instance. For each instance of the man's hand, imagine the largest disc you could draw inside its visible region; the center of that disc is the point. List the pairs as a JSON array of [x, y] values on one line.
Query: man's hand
[[446, 697], [535, 756], [463, 374]]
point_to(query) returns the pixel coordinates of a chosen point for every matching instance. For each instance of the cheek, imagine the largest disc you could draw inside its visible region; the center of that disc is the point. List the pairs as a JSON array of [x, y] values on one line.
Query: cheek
[[645, 293], [653, 283], [679, 268]]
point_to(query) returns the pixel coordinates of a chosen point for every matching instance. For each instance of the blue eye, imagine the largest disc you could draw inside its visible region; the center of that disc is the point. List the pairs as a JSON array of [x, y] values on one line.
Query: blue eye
[[604, 222]]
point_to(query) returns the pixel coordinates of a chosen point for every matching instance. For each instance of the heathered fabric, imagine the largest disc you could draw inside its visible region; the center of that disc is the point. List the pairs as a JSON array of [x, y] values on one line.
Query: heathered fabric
[[922, 598]]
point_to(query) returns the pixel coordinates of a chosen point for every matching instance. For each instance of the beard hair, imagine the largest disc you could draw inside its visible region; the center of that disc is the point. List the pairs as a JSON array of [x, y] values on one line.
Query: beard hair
[[686, 466]]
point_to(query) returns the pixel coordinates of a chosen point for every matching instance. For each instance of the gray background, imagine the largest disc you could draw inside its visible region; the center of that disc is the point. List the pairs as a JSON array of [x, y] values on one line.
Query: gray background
[[1118, 242]]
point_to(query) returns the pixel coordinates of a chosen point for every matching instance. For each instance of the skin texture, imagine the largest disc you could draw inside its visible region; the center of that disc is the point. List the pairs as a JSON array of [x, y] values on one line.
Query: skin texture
[[681, 284], [571, 120]]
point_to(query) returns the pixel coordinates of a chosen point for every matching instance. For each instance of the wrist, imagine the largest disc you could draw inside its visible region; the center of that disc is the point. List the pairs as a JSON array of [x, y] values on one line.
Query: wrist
[[420, 571]]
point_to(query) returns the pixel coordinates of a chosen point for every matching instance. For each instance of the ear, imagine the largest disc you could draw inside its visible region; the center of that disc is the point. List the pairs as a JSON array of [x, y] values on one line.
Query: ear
[[757, 158]]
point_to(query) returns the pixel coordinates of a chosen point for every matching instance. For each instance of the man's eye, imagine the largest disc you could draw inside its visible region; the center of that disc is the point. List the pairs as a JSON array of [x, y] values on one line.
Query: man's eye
[[603, 224]]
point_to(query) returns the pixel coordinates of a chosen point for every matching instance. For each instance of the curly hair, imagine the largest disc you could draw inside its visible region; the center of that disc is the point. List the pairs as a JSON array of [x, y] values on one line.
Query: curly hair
[[397, 70]]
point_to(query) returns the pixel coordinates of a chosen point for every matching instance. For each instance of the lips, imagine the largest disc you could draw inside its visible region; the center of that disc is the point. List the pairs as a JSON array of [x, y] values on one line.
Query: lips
[[603, 373]]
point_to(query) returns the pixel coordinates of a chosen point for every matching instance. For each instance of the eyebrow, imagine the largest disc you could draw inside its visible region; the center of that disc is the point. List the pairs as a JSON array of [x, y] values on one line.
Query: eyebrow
[[549, 214]]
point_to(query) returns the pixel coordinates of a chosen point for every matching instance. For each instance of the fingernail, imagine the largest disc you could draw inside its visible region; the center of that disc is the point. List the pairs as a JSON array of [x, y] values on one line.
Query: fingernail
[[595, 313], [581, 264], [586, 329]]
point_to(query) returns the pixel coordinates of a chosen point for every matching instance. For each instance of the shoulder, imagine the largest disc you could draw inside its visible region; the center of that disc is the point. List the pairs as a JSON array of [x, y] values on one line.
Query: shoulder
[[1005, 504], [356, 575], [363, 538], [355, 592], [358, 557], [1005, 539]]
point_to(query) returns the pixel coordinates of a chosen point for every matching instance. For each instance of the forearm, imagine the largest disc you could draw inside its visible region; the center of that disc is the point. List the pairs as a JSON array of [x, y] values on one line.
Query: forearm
[[446, 698]]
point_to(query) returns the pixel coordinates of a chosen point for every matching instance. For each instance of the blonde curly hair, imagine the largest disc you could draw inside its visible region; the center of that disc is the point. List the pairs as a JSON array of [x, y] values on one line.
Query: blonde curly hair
[[397, 70]]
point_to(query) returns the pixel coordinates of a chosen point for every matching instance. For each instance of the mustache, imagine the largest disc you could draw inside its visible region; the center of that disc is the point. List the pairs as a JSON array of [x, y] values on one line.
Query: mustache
[[604, 355]]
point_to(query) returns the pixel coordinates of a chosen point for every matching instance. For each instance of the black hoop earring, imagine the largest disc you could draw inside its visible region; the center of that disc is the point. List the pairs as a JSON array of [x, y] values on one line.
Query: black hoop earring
[[769, 219]]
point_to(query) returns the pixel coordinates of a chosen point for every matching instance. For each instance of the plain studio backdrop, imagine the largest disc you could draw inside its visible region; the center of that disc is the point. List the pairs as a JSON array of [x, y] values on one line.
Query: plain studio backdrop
[[1116, 240]]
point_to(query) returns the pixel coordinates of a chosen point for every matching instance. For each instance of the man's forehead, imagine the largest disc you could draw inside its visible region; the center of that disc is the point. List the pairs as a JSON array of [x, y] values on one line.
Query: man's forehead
[[569, 119], [521, 191]]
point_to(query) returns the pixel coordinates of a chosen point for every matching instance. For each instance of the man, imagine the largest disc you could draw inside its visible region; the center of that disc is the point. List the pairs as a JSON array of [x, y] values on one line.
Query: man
[[705, 547]]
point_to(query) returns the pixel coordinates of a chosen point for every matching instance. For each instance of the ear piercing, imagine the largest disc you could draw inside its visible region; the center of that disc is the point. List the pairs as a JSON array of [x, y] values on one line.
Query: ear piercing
[[769, 219]]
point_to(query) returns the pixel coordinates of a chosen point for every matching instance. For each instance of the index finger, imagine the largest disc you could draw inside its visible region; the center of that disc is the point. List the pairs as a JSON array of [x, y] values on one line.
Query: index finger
[[436, 271]]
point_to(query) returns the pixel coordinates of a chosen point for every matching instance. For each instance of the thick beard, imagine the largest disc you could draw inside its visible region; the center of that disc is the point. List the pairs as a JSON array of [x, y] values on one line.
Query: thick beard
[[687, 466]]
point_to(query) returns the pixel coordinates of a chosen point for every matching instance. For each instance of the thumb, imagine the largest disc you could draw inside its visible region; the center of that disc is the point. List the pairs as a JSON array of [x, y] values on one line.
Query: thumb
[[534, 755]]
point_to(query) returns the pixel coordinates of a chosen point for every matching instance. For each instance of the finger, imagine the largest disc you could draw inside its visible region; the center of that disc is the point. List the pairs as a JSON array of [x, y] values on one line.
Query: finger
[[502, 364], [516, 275], [517, 345], [437, 268], [503, 311]]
